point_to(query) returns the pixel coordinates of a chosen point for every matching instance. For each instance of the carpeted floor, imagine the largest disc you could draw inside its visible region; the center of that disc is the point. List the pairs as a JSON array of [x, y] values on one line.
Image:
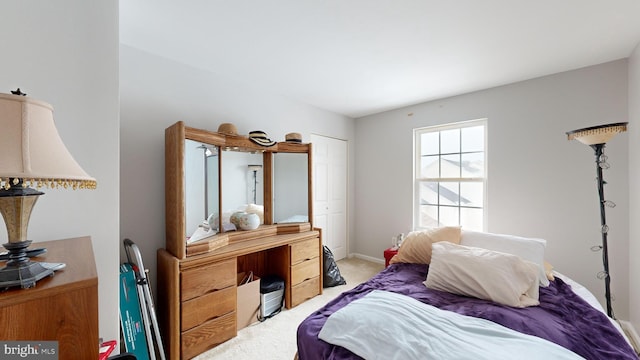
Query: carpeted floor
[[275, 338]]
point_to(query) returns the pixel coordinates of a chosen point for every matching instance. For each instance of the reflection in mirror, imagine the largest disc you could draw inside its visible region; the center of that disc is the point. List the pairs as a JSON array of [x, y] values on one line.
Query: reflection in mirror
[[290, 188], [201, 187], [242, 184]]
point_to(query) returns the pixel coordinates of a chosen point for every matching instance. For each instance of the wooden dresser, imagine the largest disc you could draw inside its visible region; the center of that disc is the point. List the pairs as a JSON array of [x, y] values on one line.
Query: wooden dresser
[[197, 302], [305, 266], [197, 295], [61, 308]]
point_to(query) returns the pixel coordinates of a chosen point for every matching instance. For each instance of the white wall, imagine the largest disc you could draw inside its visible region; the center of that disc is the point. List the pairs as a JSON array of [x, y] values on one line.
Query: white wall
[[634, 186], [155, 93], [539, 184], [66, 53]]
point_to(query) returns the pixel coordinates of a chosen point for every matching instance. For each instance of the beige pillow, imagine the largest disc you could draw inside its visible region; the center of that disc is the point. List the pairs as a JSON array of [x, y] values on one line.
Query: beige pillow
[[485, 274], [416, 247]]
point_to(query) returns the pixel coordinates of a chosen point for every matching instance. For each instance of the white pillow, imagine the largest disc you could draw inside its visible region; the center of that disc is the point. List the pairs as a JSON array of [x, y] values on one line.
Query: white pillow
[[490, 275], [530, 249]]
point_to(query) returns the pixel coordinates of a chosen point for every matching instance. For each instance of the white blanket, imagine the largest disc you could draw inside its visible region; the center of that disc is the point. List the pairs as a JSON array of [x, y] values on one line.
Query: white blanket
[[386, 325]]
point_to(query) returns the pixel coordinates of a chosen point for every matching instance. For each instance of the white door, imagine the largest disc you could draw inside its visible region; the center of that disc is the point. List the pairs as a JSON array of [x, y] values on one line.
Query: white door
[[330, 192]]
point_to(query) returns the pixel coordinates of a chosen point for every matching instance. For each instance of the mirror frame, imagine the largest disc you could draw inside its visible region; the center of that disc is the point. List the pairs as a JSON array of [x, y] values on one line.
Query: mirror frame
[[175, 136]]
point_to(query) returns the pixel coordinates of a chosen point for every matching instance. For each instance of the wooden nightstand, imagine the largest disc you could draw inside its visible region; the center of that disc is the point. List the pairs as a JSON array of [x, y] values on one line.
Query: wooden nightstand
[[61, 308]]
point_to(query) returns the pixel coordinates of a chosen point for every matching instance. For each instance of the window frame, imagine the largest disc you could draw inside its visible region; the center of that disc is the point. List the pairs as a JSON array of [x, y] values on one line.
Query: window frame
[[417, 163]]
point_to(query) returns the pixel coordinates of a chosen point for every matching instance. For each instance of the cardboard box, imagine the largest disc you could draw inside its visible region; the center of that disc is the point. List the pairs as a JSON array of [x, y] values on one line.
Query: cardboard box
[[248, 302]]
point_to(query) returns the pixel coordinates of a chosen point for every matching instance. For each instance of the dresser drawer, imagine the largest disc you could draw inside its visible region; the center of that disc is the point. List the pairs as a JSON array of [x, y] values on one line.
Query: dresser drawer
[[305, 270], [208, 306], [305, 291], [207, 278], [208, 335], [305, 250]]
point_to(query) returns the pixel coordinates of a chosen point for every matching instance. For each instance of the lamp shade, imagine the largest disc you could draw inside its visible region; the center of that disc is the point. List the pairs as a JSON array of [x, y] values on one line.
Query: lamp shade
[[31, 149], [597, 134]]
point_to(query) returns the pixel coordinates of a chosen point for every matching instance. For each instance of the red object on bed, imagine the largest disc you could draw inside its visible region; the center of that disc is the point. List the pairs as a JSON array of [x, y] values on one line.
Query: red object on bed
[[388, 254]]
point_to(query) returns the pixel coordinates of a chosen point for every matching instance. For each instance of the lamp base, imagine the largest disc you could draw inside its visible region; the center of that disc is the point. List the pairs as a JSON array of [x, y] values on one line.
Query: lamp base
[[19, 270]]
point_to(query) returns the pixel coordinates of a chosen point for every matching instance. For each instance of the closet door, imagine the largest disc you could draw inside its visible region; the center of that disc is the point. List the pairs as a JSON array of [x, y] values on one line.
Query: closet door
[[330, 192]]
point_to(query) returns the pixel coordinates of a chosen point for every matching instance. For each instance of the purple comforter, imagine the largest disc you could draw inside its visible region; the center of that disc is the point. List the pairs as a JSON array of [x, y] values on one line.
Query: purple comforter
[[562, 317]]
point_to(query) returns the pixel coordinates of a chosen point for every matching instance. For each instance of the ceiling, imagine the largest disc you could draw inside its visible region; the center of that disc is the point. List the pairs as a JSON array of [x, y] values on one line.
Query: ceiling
[[359, 57]]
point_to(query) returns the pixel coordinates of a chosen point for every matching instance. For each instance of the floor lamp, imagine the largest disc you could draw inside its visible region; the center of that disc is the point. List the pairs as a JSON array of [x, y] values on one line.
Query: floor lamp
[[596, 137], [254, 169]]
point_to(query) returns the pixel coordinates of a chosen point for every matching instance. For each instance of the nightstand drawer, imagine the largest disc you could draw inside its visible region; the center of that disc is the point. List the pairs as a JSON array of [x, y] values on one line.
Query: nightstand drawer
[[304, 271], [207, 307], [305, 250], [208, 335], [304, 291], [207, 278]]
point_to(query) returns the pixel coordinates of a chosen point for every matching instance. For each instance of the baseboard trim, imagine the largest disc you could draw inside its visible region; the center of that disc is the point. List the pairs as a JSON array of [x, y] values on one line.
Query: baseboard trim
[[631, 333], [368, 258]]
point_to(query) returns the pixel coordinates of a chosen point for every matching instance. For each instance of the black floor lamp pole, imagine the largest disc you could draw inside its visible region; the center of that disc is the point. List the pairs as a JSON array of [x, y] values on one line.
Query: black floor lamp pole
[[604, 228], [596, 137]]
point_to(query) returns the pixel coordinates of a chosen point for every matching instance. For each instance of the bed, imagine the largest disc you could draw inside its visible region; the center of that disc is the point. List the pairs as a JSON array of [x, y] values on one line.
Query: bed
[[563, 325]]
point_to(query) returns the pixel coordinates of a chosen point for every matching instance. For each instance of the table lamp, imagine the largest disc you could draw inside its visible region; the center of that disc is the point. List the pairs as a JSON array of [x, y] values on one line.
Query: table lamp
[[596, 137], [32, 156]]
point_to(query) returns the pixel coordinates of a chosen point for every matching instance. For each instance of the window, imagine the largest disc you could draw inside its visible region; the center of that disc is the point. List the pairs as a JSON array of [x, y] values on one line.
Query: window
[[450, 174]]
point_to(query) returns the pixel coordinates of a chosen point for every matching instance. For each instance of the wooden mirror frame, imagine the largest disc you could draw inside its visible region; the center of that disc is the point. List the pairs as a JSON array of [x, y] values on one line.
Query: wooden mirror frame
[[175, 136]]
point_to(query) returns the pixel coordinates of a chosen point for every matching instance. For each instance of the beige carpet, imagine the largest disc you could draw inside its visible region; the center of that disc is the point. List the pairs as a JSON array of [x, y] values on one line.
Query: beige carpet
[[275, 338]]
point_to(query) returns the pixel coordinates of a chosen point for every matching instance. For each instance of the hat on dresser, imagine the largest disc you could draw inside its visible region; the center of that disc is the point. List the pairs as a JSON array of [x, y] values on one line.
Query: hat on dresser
[[260, 138], [293, 137], [228, 129]]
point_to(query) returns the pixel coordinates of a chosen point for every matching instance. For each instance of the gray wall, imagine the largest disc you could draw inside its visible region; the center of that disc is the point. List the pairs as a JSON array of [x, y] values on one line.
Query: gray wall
[[66, 53], [634, 186], [155, 93], [539, 184]]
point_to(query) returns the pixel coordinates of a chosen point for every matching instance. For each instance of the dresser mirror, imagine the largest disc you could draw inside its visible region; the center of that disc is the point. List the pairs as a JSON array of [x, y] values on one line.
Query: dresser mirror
[[290, 187], [210, 175], [242, 181], [201, 177]]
